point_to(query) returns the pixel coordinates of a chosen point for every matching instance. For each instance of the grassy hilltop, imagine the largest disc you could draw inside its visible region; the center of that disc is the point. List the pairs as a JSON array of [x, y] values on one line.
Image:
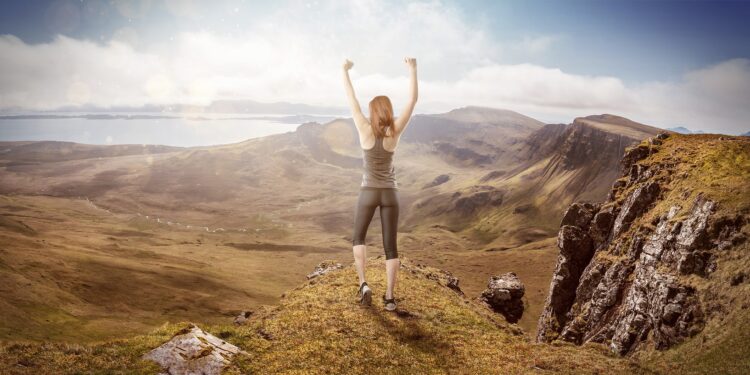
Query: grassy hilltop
[[320, 328]]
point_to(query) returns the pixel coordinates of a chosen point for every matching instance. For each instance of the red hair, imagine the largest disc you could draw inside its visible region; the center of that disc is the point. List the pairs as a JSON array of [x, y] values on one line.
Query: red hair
[[381, 116]]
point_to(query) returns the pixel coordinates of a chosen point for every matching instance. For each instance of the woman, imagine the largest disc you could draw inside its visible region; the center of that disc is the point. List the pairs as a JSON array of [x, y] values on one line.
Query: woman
[[378, 138]]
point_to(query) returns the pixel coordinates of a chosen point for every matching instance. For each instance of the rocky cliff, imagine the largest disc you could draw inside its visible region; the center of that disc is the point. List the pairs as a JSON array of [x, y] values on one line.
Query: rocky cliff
[[660, 259]]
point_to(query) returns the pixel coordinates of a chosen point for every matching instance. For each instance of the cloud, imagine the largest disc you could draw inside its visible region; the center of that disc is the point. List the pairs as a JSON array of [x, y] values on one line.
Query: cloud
[[713, 99], [295, 54], [536, 44]]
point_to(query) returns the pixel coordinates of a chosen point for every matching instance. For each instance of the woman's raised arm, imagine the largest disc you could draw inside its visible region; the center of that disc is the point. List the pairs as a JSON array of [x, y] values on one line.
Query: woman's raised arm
[[402, 120], [353, 103]]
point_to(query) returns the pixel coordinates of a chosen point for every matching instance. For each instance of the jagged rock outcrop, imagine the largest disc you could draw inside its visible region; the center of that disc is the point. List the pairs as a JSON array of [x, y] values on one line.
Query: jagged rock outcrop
[[621, 273], [635, 204], [192, 351], [504, 295], [442, 277], [576, 249]]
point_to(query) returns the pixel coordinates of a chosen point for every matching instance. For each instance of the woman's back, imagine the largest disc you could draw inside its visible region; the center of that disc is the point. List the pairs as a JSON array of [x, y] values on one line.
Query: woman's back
[[378, 166]]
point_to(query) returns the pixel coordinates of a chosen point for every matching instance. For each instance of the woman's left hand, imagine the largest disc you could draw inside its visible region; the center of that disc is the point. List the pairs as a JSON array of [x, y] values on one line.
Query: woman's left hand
[[348, 64]]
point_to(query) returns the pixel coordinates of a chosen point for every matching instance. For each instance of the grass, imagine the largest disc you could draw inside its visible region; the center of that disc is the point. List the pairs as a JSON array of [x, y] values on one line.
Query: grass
[[319, 328], [86, 276], [323, 329]]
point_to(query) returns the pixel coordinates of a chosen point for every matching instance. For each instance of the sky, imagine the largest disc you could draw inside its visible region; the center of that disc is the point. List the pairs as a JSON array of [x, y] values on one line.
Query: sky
[[664, 63]]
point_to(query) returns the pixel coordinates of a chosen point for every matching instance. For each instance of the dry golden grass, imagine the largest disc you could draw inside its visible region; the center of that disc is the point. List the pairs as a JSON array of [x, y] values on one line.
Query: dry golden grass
[[320, 328], [82, 274]]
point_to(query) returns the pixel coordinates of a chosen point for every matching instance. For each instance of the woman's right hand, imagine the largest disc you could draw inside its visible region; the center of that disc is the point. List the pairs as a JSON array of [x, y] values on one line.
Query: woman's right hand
[[411, 62]]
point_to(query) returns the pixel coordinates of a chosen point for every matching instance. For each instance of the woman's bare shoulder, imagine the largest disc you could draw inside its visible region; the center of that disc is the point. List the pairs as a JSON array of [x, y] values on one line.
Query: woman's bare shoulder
[[361, 121]]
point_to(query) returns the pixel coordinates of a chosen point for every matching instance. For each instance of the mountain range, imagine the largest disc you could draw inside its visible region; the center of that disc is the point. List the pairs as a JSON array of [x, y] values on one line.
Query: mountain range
[[476, 184], [650, 279], [111, 241]]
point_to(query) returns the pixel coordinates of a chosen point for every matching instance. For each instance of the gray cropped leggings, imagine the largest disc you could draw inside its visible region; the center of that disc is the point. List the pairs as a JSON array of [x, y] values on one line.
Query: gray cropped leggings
[[369, 199]]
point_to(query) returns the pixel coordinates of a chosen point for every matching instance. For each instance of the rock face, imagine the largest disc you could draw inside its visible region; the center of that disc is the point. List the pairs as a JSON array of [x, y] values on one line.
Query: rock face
[[620, 273], [576, 249], [504, 295], [193, 351]]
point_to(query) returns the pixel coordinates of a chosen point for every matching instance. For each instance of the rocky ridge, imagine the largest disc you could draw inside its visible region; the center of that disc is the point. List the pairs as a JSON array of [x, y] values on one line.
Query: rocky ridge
[[627, 268]]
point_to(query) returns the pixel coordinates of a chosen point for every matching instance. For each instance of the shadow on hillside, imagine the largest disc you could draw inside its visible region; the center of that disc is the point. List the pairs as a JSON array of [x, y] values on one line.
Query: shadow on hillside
[[408, 328]]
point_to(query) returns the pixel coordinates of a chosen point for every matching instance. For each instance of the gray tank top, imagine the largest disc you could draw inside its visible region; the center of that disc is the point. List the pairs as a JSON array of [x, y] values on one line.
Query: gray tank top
[[379, 170]]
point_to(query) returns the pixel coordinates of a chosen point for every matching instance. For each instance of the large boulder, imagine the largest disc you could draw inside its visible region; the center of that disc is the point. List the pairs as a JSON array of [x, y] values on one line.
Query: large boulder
[[192, 351], [504, 295]]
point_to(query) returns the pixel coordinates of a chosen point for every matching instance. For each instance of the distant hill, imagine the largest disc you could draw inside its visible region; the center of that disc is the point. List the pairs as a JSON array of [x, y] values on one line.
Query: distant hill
[[684, 130], [489, 115]]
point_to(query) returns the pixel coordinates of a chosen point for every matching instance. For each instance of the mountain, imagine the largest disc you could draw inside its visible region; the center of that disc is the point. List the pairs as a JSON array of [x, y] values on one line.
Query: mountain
[[662, 262], [489, 115], [684, 130], [521, 190], [745, 134]]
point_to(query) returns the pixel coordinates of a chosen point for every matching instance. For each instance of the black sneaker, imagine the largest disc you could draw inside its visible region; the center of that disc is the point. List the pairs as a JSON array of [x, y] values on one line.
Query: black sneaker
[[390, 303], [366, 294]]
